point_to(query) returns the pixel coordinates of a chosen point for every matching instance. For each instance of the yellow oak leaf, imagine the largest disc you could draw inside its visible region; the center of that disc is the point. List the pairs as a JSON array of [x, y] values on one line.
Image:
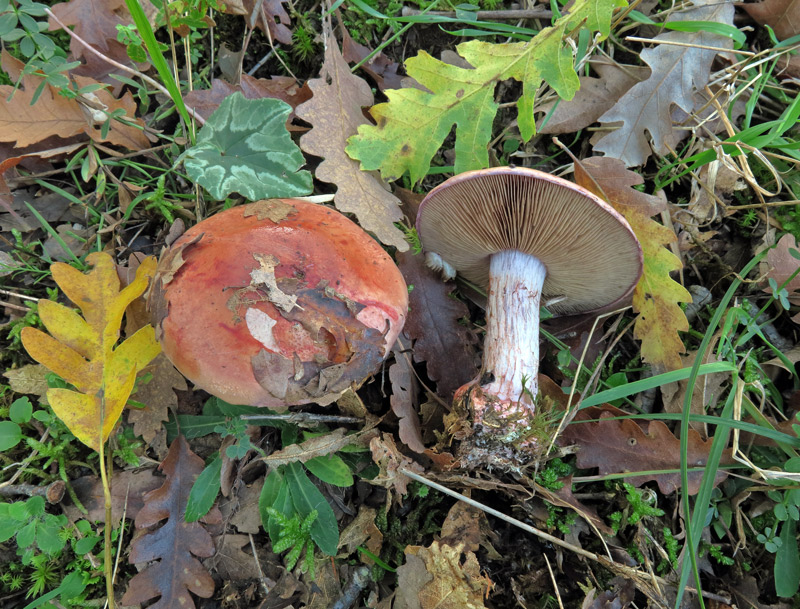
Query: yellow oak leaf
[[83, 350], [657, 296]]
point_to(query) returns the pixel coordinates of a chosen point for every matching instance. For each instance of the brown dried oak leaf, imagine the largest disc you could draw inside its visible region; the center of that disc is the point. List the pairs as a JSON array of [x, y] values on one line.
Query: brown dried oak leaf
[[176, 544], [271, 12], [616, 446], [382, 69], [404, 396], [596, 96], [783, 265], [783, 16], [54, 115], [441, 577], [447, 347], [158, 396], [335, 114], [285, 88], [95, 21], [677, 72]]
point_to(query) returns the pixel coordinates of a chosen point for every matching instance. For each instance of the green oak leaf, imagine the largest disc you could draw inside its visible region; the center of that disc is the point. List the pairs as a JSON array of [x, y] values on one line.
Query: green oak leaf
[[414, 123], [245, 147]]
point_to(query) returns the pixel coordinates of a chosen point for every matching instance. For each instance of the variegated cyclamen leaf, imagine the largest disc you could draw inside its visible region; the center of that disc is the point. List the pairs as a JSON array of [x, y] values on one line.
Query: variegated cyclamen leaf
[[245, 148]]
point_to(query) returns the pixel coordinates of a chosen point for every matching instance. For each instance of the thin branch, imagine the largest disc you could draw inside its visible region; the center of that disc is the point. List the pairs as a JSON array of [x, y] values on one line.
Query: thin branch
[[641, 577]]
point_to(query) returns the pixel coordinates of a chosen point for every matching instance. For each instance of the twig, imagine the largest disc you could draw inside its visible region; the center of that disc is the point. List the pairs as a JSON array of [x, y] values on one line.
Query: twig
[[349, 595], [53, 492], [121, 66], [644, 578], [553, 580], [26, 462], [20, 296], [261, 577], [675, 43], [301, 417], [9, 305]]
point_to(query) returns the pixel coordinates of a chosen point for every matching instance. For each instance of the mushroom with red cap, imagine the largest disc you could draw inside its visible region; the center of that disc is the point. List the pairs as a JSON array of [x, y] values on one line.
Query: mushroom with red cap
[[529, 238], [277, 302]]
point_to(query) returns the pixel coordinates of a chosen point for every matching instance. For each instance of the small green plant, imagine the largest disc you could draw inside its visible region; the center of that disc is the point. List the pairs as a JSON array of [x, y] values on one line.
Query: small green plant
[[559, 518], [158, 201], [421, 520], [33, 529], [781, 538], [672, 548], [19, 414], [640, 505], [716, 553], [288, 489], [294, 535], [20, 24], [304, 46], [44, 575]]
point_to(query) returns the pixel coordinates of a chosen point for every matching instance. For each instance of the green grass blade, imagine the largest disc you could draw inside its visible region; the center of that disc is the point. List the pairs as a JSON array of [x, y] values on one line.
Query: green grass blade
[[692, 539], [609, 395], [784, 441], [59, 239], [160, 63]]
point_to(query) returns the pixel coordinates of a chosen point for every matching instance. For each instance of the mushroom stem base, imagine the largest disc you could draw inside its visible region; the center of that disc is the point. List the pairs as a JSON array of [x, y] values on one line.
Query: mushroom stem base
[[501, 436]]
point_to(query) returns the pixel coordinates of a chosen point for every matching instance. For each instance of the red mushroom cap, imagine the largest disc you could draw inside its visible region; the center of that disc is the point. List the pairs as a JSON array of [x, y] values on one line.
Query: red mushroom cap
[[276, 303]]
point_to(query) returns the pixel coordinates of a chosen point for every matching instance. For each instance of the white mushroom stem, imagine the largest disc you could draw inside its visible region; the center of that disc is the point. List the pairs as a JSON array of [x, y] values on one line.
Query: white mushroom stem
[[511, 345]]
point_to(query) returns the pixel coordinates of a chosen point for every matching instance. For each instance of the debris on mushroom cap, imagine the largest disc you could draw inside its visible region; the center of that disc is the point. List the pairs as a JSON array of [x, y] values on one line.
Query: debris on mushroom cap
[[276, 303], [592, 257]]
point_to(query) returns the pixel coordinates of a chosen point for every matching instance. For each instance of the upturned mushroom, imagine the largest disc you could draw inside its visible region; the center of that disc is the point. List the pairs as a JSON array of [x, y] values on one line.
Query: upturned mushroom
[[529, 238], [277, 303]]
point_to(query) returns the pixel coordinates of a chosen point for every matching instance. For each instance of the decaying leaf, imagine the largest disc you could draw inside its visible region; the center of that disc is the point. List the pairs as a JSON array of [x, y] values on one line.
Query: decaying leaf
[[415, 122], [317, 446], [463, 525], [446, 346], [382, 69], [677, 72], [284, 88], [390, 460], [54, 115], [176, 545], [246, 518], [362, 531], [597, 95], [404, 397], [271, 12], [233, 559], [621, 597], [783, 265], [158, 396], [82, 349], [326, 588], [28, 379], [783, 16], [441, 577], [657, 295], [127, 495], [95, 21], [335, 113], [617, 446]]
